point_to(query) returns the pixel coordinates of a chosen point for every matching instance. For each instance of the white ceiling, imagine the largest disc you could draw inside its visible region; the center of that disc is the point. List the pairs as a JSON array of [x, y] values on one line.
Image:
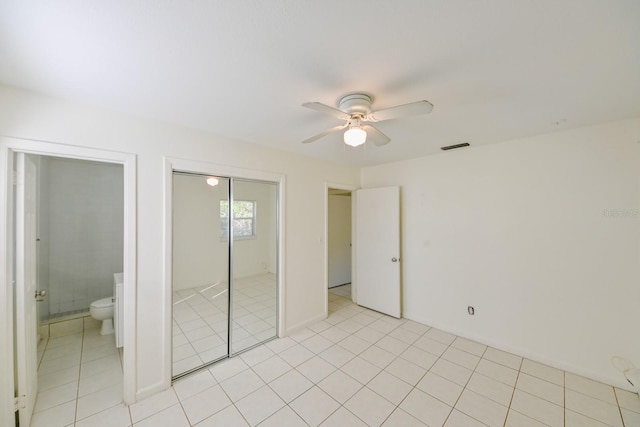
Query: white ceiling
[[494, 69]]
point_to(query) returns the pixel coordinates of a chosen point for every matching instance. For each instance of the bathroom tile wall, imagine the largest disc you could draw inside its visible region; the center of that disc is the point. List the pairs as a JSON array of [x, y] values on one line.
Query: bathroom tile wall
[[85, 232]]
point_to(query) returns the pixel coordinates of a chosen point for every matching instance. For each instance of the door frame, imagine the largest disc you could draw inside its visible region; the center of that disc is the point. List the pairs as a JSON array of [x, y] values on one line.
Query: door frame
[[9, 146], [172, 164], [346, 187]]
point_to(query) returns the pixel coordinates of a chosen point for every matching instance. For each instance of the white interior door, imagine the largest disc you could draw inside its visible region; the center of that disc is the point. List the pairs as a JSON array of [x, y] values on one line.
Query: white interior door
[[377, 249], [26, 314], [339, 240]]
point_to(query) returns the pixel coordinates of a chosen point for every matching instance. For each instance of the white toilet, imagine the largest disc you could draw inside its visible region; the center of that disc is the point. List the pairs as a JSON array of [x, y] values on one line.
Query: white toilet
[[102, 309]]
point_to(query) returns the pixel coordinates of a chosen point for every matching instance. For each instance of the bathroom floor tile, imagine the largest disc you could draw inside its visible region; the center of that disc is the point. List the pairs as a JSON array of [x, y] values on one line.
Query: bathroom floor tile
[[100, 381], [56, 396], [60, 415], [99, 401], [54, 377], [113, 417]]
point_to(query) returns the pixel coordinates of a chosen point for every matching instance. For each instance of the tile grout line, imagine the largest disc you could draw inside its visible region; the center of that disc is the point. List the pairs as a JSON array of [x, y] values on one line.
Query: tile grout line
[[619, 407], [513, 393], [453, 407], [75, 417]]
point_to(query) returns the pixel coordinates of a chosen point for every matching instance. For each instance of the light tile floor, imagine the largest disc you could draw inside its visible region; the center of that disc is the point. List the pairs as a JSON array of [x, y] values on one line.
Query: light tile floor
[[200, 320], [361, 368], [79, 375]]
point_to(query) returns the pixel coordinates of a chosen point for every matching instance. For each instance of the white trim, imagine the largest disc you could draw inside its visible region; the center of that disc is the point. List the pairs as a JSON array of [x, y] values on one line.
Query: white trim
[[327, 187], [305, 323], [9, 145], [7, 417], [167, 279], [172, 164]]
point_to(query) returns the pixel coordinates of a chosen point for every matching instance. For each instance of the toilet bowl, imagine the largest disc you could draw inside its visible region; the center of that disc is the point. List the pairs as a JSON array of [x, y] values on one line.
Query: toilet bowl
[[102, 309]]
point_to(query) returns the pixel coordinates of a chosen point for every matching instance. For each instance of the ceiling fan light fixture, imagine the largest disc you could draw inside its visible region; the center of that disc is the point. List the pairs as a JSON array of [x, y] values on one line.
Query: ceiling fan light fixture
[[355, 136]]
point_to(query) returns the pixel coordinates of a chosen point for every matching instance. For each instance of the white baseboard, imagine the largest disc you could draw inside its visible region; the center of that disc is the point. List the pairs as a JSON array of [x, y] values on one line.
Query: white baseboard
[[527, 354], [151, 390], [305, 323]]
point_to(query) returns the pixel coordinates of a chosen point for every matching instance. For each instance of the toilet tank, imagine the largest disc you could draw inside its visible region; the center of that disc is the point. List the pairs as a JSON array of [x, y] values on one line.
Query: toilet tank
[[118, 307]]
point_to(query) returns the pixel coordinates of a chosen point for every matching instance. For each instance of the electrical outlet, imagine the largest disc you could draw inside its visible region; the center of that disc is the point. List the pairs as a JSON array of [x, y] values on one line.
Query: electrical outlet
[[471, 310]]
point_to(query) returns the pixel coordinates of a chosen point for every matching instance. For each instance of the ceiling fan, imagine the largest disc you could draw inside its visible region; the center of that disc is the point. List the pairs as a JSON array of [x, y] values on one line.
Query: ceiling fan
[[355, 109]]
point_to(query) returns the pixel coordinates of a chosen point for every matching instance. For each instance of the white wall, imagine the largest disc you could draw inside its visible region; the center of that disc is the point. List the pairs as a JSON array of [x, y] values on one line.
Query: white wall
[[339, 239], [25, 115], [81, 213], [541, 235]]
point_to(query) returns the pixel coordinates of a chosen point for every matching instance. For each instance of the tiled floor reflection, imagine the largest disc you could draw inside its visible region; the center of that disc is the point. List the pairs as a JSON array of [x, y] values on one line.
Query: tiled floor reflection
[[200, 319], [79, 375]]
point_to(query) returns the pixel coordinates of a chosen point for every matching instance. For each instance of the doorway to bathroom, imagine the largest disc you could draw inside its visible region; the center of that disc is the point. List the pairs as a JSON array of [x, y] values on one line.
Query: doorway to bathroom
[[56, 353], [225, 267], [78, 213], [79, 249]]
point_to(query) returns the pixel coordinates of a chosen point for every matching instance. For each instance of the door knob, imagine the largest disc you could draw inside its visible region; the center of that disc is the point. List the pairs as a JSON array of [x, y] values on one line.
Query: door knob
[[394, 259], [41, 293]]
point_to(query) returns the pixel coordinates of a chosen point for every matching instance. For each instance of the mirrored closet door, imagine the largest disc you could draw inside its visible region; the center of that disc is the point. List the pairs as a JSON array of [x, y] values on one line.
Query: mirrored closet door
[[254, 263], [225, 239]]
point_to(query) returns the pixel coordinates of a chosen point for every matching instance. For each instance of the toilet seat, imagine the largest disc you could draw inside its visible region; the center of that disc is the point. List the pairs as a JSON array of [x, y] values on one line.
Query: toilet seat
[[102, 303]]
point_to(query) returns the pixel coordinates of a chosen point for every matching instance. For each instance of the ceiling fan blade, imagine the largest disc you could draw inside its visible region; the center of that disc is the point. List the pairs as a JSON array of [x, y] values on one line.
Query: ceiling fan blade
[[325, 133], [324, 108], [375, 135], [412, 109]]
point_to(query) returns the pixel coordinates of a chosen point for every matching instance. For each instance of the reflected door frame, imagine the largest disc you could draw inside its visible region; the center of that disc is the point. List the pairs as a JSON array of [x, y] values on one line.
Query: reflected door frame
[[172, 165]]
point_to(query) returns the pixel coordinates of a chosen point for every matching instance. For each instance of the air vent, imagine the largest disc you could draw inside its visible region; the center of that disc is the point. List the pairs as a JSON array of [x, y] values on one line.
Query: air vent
[[451, 147]]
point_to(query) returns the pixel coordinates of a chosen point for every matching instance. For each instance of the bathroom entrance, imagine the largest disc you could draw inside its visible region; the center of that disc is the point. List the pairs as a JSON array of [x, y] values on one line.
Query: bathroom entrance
[[68, 217], [224, 267], [79, 245]]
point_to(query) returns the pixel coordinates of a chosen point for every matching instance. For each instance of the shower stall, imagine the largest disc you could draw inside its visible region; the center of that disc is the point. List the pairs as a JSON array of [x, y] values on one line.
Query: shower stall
[[225, 267]]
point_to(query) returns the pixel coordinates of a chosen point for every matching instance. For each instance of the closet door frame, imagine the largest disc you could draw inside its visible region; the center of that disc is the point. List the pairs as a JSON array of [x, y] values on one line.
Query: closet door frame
[[205, 168]]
